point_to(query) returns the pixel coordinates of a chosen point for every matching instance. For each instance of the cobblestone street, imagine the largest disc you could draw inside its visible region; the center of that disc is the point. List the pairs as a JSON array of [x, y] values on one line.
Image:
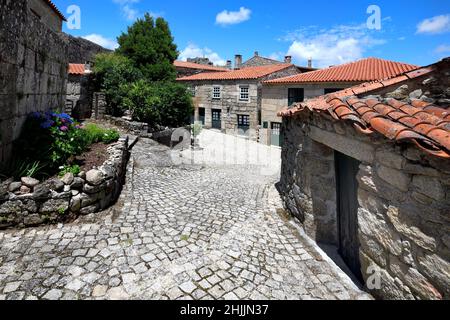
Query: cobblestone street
[[186, 231]]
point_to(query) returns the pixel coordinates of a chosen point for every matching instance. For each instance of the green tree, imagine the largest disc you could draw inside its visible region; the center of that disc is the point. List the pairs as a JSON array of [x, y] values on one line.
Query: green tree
[[150, 45]]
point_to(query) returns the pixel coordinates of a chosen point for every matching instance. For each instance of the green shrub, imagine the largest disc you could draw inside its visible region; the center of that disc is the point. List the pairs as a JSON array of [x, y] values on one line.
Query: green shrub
[[47, 141], [159, 103], [111, 72]]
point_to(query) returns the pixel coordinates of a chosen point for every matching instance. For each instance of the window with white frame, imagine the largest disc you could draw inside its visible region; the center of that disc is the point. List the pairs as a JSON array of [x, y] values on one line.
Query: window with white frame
[[192, 90], [244, 93], [217, 92]]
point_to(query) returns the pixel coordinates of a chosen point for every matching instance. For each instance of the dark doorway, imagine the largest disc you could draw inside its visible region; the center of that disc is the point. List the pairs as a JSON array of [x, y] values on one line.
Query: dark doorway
[[201, 115], [217, 119], [347, 208]]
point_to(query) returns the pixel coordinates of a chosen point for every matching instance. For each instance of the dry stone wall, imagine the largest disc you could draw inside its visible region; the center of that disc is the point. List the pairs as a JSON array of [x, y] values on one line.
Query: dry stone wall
[[403, 199], [28, 202], [33, 70]]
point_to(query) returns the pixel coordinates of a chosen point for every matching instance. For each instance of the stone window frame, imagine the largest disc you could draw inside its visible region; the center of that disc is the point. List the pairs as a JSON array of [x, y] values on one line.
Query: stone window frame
[[240, 87], [214, 92]]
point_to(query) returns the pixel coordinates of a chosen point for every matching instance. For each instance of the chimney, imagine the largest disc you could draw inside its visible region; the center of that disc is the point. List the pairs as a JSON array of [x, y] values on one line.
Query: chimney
[[229, 66], [310, 63], [238, 61], [256, 54], [288, 59]]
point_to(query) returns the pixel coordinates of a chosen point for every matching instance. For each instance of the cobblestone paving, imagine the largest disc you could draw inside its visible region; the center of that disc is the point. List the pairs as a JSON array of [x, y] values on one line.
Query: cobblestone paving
[[178, 232]]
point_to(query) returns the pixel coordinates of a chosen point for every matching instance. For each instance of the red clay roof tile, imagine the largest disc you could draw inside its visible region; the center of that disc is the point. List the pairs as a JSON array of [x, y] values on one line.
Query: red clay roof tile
[[78, 69], [369, 69], [424, 124], [197, 66], [241, 74]]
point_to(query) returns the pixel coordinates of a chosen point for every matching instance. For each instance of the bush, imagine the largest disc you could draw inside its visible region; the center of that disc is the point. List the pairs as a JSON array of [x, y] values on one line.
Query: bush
[[49, 139], [159, 103], [111, 72]]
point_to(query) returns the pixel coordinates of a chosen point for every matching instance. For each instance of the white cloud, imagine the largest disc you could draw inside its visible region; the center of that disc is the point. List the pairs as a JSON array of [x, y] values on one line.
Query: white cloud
[[435, 25], [128, 11], [194, 51], [233, 17], [443, 49], [276, 56], [102, 41], [338, 45]]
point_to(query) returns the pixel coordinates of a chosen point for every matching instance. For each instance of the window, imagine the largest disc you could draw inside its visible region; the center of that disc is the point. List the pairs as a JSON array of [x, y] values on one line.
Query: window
[[244, 93], [217, 92], [244, 122], [331, 90], [295, 95], [192, 91]]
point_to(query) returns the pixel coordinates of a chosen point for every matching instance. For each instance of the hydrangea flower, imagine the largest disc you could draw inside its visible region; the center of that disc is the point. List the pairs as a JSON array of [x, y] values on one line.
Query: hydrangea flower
[[47, 124], [64, 128]]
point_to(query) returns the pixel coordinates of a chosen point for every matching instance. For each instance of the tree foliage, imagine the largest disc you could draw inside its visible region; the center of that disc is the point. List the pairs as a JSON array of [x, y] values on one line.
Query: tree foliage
[[150, 45], [111, 72], [159, 103]]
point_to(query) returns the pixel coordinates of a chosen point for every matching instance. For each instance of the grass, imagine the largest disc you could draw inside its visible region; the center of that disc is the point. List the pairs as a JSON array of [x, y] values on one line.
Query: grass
[[96, 134]]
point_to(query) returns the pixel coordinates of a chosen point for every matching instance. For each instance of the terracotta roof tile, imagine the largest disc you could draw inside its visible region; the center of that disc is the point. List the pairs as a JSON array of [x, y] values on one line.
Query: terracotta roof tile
[[369, 69], [424, 124], [55, 9], [241, 74], [191, 65], [78, 69]]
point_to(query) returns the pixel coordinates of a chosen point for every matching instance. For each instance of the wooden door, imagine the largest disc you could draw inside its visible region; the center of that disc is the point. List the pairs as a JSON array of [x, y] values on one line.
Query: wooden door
[[217, 119], [347, 204]]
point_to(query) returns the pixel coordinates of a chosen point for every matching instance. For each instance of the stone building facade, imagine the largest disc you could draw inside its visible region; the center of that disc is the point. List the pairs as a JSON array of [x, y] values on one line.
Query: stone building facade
[[33, 69], [368, 170], [47, 13], [231, 101], [279, 93], [80, 91]]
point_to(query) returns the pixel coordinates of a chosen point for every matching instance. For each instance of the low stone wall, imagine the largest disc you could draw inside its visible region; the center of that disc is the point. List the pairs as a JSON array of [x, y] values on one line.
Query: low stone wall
[[28, 203], [136, 128], [403, 204]]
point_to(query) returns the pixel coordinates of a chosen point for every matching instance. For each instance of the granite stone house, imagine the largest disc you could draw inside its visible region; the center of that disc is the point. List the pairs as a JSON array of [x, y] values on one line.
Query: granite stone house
[[33, 65], [231, 101], [282, 92], [367, 170]]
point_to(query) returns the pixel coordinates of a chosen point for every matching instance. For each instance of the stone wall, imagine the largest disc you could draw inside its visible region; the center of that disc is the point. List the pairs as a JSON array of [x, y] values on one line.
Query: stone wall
[[28, 203], [33, 70], [403, 198], [81, 50]]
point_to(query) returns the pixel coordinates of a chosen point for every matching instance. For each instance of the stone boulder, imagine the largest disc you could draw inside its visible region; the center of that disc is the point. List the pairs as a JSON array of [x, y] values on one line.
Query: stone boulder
[[94, 177], [29, 182], [68, 178]]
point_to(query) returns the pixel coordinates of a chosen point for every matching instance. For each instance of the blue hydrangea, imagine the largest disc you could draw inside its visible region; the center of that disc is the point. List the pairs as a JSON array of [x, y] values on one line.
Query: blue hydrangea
[[47, 124]]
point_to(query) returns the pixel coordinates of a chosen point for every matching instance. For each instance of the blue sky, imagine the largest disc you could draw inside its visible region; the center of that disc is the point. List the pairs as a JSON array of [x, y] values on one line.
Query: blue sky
[[329, 32]]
